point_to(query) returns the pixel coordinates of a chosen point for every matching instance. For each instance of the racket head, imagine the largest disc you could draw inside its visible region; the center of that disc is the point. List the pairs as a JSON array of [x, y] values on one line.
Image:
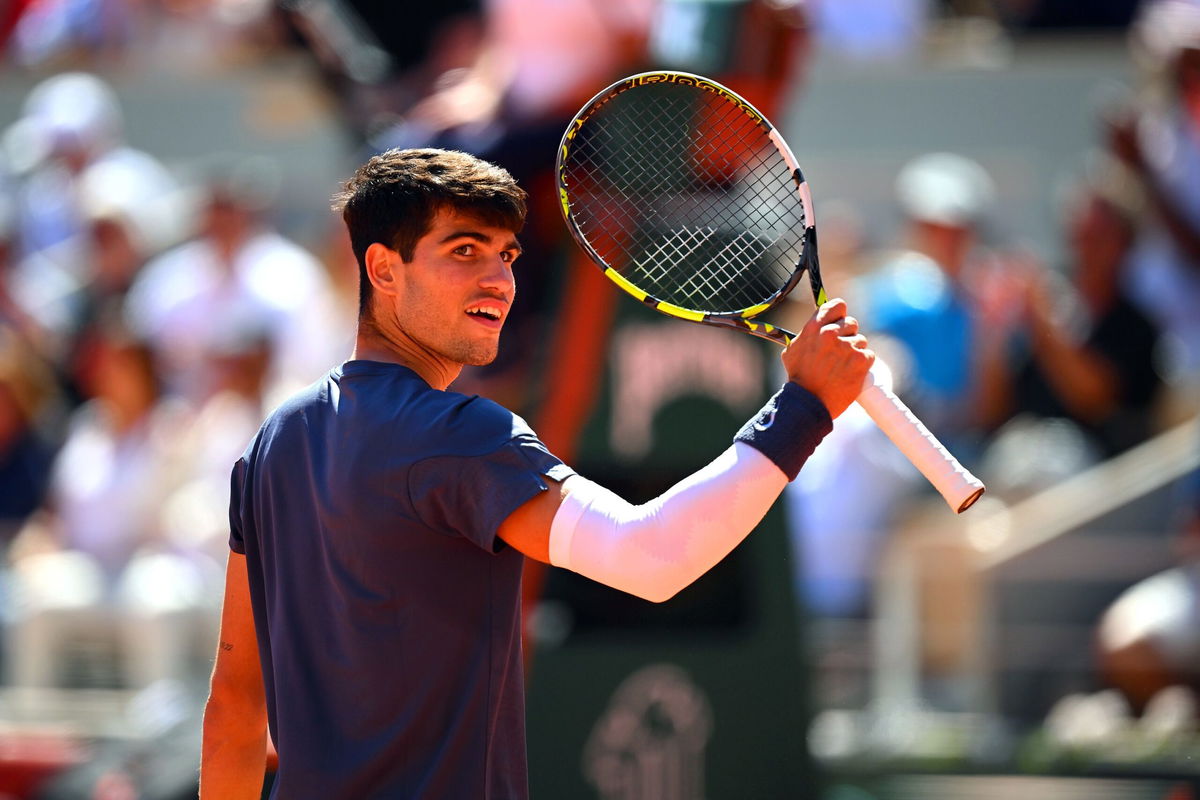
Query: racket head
[[687, 198]]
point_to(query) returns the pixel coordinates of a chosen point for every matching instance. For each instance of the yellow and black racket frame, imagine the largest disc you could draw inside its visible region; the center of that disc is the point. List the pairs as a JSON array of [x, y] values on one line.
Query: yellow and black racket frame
[[741, 319]]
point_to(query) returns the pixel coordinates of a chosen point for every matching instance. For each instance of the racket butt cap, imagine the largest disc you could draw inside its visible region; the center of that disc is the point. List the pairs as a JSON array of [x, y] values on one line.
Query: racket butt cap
[[970, 501]]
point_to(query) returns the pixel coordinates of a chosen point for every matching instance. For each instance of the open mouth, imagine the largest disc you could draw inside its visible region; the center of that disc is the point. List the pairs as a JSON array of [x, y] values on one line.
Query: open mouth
[[488, 312]]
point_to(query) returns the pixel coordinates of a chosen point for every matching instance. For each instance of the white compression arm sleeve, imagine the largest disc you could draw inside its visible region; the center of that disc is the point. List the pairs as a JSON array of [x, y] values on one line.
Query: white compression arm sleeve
[[656, 549]]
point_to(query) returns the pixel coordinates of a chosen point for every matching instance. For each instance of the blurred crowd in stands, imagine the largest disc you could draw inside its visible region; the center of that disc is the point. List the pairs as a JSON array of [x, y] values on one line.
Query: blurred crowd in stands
[[149, 318], [145, 324], [1031, 371]]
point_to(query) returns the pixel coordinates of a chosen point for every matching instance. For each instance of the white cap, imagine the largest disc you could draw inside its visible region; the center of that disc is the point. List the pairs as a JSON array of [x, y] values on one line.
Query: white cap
[[77, 106], [134, 190], [946, 189]]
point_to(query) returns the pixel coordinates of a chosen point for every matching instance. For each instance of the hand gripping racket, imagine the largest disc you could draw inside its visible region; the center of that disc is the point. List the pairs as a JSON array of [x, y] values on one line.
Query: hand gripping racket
[[690, 200]]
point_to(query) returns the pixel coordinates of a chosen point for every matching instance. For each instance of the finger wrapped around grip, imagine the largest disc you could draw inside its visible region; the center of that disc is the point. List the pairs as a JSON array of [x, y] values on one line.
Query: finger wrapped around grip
[[831, 312]]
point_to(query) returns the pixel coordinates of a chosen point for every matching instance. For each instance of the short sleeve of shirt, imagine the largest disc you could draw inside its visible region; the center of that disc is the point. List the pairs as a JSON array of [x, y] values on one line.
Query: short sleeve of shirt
[[470, 495], [237, 542]]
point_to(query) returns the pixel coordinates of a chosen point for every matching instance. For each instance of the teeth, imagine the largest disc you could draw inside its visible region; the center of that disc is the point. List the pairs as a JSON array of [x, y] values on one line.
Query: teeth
[[491, 312]]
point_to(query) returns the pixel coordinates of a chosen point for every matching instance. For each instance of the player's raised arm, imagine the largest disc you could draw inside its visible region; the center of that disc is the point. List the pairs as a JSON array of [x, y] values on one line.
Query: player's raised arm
[[656, 549]]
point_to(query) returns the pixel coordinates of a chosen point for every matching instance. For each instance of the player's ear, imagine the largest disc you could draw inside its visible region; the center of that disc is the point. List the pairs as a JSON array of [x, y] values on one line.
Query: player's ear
[[383, 268]]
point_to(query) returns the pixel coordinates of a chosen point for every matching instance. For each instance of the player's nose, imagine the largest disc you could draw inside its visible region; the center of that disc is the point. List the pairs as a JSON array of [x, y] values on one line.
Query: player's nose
[[498, 276]]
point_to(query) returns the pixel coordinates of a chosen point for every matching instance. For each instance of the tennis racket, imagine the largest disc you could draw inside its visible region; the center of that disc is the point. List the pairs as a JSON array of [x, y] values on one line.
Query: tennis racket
[[690, 200]]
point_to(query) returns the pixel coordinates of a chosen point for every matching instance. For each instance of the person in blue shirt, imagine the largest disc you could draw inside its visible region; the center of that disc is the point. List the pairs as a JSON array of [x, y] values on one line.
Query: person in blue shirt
[[379, 521], [924, 295]]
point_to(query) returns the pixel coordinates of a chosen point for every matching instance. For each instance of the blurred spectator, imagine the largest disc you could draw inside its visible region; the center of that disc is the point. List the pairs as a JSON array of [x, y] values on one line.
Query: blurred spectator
[[171, 34], [73, 123], [238, 274], [93, 562], [57, 28], [1148, 640], [201, 35], [13, 314], [76, 184], [119, 236], [380, 58], [1158, 136], [1150, 636], [26, 388], [195, 514], [1094, 367], [920, 298]]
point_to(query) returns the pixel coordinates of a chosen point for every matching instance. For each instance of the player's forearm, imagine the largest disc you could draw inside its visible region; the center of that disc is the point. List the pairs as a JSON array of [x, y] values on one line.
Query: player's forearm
[[233, 753], [656, 549]]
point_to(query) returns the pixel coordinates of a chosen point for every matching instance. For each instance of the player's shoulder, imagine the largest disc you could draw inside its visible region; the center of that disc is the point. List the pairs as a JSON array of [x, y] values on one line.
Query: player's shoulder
[[296, 410], [467, 424], [391, 398]]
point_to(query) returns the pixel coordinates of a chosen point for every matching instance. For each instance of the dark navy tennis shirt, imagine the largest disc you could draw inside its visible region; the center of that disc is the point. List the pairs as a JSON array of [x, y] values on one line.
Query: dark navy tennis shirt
[[387, 611]]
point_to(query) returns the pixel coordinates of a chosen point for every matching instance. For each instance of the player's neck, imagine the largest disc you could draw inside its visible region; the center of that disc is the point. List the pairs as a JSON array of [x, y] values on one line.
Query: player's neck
[[394, 346]]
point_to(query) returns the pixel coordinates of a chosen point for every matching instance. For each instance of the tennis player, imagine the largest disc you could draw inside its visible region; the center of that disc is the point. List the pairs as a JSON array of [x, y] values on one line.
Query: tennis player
[[379, 521]]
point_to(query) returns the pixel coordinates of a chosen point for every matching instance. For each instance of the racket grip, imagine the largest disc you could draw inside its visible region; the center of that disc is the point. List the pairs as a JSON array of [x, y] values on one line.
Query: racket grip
[[955, 483]]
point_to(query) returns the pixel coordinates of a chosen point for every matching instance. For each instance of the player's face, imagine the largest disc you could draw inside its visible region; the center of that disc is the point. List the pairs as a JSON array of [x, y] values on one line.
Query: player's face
[[459, 287]]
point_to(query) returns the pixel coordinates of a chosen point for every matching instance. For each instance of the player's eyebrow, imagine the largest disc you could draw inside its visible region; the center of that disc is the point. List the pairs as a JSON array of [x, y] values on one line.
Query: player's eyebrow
[[483, 238]]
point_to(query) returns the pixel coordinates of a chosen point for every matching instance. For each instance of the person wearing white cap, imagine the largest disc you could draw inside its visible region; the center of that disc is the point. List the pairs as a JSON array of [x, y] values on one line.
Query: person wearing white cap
[[72, 170], [912, 299], [945, 190], [238, 270], [72, 123], [918, 298]]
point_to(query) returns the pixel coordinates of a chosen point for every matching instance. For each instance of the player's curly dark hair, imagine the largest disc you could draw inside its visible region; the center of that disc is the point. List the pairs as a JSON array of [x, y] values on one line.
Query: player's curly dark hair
[[393, 198]]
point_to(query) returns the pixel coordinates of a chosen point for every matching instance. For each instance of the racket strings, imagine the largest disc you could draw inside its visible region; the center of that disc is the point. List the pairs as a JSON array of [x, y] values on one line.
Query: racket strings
[[687, 197]]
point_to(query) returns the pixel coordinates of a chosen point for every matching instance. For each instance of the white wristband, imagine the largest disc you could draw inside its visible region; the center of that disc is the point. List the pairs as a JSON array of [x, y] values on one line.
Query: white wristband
[[656, 549]]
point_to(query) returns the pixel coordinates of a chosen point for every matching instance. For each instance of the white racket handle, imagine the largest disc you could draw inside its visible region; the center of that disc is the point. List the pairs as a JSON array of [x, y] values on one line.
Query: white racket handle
[[955, 483]]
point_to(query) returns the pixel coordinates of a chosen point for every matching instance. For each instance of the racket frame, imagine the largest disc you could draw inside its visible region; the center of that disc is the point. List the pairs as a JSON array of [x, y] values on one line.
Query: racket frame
[[741, 319]]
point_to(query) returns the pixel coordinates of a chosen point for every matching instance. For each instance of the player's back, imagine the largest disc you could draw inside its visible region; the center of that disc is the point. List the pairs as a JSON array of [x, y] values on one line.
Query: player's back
[[387, 611]]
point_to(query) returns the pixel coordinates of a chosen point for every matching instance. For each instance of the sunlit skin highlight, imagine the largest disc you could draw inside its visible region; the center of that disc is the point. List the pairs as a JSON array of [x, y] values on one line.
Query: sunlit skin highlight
[[445, 308]]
